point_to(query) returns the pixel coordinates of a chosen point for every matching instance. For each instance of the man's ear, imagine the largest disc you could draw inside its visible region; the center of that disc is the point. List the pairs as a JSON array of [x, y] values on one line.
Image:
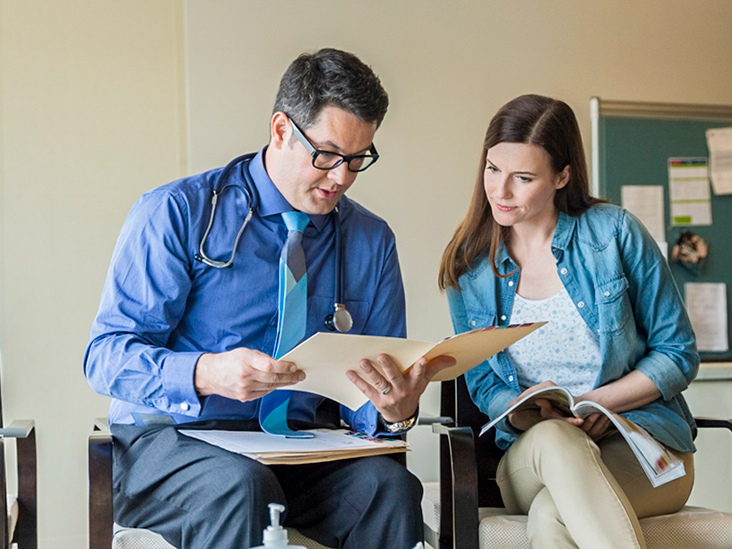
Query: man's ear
[[279, 130]]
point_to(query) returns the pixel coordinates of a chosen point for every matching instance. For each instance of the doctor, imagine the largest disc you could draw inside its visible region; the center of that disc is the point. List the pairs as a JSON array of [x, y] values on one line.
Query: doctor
[[180, 340]]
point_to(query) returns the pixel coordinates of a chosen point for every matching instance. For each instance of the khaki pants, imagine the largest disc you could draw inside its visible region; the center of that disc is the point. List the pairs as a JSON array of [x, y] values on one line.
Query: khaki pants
[[582, 494]]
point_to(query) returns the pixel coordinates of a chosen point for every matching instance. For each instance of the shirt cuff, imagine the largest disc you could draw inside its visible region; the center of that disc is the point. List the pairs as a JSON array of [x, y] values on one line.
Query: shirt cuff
[[178, 370]]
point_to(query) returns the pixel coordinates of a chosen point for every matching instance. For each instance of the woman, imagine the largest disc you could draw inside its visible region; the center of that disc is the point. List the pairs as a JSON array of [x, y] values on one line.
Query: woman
[[536, 246]]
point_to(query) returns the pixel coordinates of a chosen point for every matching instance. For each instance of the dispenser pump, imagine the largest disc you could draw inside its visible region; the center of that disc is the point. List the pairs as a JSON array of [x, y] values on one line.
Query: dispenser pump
[[274, 535]]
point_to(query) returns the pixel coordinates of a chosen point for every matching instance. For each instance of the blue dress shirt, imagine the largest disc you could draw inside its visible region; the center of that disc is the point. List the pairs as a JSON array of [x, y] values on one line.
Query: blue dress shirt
[[161, 309], [623, 290]]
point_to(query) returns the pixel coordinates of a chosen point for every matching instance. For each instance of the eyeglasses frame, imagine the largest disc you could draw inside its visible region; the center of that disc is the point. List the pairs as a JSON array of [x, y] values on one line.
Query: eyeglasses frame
[[297, 132]]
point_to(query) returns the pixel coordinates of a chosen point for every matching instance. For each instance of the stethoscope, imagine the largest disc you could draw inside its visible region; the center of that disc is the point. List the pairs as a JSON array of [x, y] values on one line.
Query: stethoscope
[[340, 320]]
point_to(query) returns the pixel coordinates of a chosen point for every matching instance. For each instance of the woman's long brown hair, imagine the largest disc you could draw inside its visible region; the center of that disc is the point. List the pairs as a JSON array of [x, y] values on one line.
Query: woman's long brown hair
[[533, 120]]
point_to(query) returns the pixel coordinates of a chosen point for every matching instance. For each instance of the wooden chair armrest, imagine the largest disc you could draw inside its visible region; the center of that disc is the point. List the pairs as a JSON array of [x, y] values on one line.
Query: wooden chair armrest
[[101, 424], [101, 519], [23, 431], [432, 420], [706, 422], [458, 487], [20, 428]]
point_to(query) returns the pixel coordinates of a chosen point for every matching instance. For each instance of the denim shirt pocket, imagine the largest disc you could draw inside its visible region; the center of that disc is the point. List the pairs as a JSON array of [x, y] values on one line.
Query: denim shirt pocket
[[613, 305], [480, 318]]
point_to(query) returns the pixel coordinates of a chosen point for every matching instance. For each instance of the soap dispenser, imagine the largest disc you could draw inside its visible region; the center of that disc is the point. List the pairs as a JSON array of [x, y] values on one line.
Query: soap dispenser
[[274, 535]]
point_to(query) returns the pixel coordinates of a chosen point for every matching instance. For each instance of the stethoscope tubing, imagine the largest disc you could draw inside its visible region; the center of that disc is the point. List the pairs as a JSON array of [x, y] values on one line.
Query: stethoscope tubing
[[341, 319]]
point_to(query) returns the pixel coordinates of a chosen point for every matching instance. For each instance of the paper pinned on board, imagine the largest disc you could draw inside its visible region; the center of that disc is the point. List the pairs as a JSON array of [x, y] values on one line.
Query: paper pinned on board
[[706, 303], [719, 142], [646, 203], [691, 198]]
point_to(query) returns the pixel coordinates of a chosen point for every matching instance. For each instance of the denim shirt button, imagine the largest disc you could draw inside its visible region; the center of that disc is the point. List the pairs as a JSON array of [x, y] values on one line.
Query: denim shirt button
[[581, 304], [510, 378], [184, 406], [607, 294], [503, 317], [473, 323], [563, 271], [510, 283]]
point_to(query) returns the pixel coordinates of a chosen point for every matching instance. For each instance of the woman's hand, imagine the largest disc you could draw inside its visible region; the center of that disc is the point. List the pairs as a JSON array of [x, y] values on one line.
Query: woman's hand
[[595, 425], [525, 419]]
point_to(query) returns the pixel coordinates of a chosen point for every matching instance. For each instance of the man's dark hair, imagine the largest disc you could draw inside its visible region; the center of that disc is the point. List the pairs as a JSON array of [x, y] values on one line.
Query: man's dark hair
[[330, 77]]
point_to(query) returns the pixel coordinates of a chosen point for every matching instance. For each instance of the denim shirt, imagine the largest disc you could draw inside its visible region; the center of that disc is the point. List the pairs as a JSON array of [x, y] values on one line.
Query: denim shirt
[[623, 290]]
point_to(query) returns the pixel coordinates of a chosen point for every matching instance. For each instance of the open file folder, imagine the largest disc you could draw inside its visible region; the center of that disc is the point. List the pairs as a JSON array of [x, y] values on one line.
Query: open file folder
[[326, 445], [326, 356]]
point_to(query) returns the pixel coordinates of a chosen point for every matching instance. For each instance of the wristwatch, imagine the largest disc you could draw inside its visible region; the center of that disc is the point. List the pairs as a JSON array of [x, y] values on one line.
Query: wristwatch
[[399, 426]]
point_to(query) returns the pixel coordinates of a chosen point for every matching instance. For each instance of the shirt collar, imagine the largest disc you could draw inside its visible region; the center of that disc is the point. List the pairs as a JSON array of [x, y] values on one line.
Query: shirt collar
[[271, 201], [562, 236], [563, 232]]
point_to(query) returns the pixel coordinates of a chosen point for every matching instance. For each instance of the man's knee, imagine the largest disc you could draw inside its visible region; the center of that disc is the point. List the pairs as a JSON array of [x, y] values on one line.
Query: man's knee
[[391, 483]]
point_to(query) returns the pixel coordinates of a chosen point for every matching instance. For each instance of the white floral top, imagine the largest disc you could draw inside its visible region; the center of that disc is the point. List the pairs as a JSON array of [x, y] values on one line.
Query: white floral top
[[564, 351]]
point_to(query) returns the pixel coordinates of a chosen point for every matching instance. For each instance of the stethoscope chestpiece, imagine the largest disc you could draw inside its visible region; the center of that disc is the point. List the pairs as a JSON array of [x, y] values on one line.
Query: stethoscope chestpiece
[[340, 320]]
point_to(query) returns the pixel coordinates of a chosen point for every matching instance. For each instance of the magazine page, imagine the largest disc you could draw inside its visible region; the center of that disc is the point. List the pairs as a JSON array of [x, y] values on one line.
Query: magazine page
[[558, 396], [660, 465]]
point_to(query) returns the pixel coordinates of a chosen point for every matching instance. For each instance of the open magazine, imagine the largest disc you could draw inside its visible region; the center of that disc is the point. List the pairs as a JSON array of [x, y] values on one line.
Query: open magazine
[[660, 465]]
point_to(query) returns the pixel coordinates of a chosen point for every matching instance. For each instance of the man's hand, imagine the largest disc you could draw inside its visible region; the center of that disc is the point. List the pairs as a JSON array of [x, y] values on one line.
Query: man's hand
[[396, 395], [243, 374]]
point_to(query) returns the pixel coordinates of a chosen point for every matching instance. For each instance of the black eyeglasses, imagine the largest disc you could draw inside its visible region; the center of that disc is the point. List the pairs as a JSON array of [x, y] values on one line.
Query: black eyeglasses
[[327, 160]]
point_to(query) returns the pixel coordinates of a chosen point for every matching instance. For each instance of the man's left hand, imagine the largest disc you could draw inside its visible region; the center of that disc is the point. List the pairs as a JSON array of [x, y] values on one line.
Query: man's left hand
[[396, 395]]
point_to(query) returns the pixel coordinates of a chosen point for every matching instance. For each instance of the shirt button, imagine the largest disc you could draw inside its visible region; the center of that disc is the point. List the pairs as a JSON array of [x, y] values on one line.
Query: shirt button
[[606, 294], [503, 317], [510, 378], [563, 271], [473, 323], [510, 282], [184, 406], [581, 304]]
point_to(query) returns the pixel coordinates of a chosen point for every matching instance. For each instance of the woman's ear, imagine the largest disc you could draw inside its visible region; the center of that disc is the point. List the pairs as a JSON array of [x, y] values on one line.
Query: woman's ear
[[563, 177]]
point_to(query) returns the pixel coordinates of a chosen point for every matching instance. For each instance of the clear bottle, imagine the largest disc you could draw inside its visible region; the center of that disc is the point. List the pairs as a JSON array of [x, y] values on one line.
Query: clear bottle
[[275, 536]]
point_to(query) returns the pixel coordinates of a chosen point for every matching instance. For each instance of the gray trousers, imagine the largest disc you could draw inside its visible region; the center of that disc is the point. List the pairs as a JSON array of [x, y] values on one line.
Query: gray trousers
[[199, 496]]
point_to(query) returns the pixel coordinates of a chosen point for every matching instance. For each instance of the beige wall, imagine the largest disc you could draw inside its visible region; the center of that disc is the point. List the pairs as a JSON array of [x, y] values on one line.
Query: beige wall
[[94, 113], [91, 112]]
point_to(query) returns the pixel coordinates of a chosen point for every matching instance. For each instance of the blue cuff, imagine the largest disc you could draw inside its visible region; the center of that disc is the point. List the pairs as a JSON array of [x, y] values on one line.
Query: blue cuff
[[178, 370]]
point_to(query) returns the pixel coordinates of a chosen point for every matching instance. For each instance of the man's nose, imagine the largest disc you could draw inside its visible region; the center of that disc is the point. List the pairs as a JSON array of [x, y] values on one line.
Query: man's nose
[[339, 174]]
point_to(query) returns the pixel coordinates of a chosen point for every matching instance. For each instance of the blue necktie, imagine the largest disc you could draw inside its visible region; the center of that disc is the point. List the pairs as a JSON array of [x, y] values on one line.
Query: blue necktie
[[291, 323]]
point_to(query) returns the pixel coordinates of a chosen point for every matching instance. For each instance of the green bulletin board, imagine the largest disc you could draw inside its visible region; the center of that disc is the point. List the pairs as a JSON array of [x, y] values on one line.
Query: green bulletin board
[[633, 143]]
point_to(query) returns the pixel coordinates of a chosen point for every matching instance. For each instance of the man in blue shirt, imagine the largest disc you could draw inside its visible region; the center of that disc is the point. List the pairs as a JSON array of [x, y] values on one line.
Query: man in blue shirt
[[178, 341]]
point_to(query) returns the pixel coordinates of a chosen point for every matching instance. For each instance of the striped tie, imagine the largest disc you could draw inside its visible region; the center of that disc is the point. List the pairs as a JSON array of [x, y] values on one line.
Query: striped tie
[[292, 320]]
